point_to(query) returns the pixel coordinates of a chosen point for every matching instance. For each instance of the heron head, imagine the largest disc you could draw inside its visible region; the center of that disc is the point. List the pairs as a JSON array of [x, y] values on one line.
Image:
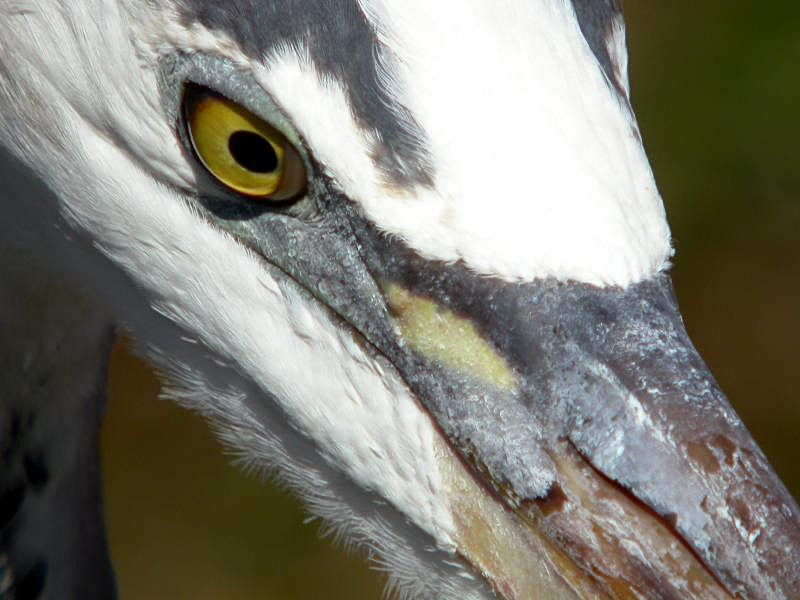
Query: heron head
[[411, 257]]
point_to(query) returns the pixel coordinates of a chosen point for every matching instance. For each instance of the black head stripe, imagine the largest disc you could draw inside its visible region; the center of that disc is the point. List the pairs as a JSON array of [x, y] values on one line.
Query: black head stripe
[[342, 45], [596, 19]]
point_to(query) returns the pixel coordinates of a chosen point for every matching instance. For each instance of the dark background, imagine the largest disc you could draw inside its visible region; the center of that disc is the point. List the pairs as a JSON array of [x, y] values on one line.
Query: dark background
[[715, 86]]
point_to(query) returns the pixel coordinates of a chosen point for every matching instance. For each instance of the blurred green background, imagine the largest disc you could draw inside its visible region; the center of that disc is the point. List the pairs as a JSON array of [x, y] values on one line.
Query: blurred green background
[[716, 89]]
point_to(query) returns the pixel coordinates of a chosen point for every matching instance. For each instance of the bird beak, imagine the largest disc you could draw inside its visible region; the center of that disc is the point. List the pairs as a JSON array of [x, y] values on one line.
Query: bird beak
[[590, 415], [611, 461]]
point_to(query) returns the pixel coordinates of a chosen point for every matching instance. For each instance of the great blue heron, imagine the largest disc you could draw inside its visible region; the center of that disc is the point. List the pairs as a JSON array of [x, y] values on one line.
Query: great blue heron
[[408, 254]]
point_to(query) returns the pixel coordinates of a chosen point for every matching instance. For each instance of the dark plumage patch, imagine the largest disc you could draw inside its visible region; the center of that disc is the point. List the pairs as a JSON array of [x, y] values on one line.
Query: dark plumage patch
[[6, 577], [30, 585], [13, 428], [596, 19], [36, 470], [15, 425], [10, 501]]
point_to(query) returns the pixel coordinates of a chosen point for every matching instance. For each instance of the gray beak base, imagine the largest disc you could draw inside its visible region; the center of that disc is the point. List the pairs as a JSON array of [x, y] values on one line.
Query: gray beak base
[[613, 437]]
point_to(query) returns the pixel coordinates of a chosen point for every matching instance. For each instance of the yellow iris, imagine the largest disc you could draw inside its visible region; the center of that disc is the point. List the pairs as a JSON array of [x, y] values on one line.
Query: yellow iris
[[240, 150]]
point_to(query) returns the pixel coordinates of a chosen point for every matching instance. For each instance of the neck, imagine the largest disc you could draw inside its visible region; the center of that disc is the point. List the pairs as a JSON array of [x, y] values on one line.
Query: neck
[[54, 346]]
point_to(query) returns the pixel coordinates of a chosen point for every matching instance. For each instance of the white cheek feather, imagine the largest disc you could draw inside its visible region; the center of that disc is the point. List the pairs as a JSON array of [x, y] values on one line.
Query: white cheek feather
[[363, 416], [538, 168], [364, 425]]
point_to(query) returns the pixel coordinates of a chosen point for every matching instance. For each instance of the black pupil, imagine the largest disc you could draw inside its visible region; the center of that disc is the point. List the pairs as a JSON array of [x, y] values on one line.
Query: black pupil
[[253, 152]]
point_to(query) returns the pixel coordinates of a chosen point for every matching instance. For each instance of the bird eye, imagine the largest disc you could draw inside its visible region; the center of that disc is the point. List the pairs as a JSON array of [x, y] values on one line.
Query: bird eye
[[242, 151]]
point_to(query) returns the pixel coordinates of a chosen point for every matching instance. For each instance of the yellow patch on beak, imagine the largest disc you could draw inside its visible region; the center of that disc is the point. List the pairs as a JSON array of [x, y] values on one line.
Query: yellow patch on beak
[[436, 333]]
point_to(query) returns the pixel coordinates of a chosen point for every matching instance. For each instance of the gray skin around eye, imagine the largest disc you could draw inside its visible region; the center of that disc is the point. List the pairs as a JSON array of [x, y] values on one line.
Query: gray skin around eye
[[222, 77], [176, 71]]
